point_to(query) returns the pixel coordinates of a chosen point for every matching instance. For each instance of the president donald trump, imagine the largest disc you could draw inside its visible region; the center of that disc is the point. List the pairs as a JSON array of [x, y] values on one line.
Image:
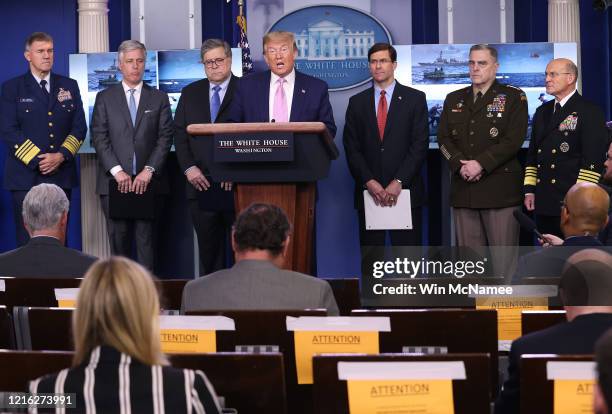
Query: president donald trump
[[282, 94]]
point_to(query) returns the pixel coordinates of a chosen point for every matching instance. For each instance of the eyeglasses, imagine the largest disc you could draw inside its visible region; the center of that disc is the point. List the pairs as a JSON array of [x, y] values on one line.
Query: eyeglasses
[[555, 74], [375, 62], [211, 63], [279, 52]]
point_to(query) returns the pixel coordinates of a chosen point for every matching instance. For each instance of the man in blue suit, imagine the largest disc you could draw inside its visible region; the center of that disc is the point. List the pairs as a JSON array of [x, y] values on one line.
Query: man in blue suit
[[43, 125], [282, 94]]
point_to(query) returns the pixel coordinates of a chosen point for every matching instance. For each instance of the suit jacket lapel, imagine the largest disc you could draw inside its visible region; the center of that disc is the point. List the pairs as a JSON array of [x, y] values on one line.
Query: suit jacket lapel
[[145, 94], [54, 88], [396, 100], [298, 97], [371, 110], [227, 97], [265, 92], [486, 98]]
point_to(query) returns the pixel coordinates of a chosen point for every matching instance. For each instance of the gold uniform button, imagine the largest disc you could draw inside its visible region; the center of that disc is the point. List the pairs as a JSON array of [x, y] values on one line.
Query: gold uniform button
[[471, 132], [538, 180], [538, 165], [51, 136], [553, 181], [472, 121], [51, 146], [27, 110], [539, 151], [16, 146], [49, 113], [554, 151], [552, 166], [50, 124]]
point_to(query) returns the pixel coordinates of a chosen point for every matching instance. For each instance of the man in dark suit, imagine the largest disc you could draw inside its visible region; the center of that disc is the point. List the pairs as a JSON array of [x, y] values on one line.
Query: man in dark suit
[[201, 102], [385, 140], [132, 134], [45, 216], [260, 240], [568, 145], [282, 94], [586, 293], [43, 125], [583, 215]]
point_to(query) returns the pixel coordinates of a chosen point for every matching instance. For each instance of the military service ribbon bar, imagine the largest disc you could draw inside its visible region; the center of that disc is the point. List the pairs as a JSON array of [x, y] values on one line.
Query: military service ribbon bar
[[27, 151]]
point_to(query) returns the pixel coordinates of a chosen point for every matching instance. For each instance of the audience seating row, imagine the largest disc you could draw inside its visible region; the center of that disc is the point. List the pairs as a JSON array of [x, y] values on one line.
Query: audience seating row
[[255, 383]]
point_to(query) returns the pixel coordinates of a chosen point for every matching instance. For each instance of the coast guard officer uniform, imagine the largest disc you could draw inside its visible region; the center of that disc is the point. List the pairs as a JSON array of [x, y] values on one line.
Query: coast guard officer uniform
[[39, 116]]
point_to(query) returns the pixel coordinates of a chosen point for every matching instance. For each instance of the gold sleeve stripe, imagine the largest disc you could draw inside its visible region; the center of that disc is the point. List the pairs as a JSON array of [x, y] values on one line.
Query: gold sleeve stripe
[[33, 152], [587, 180], [72, 144], [589, 173], [23, 148], [529, 181], [528, 169]]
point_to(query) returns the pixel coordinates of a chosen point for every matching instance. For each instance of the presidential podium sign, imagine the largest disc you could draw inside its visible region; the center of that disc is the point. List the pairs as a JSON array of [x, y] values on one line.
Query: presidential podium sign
[[277, 163]]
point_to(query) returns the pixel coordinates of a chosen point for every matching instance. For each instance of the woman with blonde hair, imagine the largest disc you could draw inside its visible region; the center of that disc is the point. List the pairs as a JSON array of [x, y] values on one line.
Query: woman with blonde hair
[[118, 364]]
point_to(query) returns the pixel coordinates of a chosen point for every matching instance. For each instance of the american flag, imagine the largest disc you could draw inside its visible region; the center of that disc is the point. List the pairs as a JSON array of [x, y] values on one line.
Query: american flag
[[247, 63]]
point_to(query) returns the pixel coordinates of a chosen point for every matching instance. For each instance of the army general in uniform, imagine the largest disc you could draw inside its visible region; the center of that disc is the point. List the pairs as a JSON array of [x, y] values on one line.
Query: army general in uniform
[[43, 124], [481, 130], [568, 145]]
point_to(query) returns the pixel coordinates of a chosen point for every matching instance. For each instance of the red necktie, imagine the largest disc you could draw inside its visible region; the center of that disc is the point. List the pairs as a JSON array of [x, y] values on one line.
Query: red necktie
[[381, 114]]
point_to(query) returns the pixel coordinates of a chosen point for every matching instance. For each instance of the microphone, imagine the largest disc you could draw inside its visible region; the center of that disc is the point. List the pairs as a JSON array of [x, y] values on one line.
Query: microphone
[[527, 223]]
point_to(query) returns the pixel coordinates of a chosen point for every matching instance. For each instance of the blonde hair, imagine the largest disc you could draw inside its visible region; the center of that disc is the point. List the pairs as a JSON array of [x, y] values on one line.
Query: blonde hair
[[279, 36], [118, 306]]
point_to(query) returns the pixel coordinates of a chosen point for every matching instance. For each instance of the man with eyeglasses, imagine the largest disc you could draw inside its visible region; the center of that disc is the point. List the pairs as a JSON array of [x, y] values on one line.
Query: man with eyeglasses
[[386, 141], [481, 131], [210, 204], [282, 94], [568, 145], [43, 125]]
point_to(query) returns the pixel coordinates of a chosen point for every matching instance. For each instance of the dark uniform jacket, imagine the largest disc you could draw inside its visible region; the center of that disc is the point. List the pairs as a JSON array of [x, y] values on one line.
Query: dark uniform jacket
[[400, 154], [31, 126], [490, 132], [565, 148], [194, 108], [44, 256], [576, 337]]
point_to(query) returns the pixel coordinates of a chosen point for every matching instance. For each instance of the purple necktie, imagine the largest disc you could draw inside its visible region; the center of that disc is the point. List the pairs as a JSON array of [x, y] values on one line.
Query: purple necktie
[[280, 103]]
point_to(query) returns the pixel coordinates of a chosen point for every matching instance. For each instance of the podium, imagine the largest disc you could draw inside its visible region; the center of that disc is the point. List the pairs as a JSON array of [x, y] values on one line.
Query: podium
[[304, 154]]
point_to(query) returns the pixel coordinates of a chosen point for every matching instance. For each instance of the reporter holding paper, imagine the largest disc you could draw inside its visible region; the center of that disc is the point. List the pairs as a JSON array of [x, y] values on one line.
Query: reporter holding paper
[[118, 365], [386, 141]]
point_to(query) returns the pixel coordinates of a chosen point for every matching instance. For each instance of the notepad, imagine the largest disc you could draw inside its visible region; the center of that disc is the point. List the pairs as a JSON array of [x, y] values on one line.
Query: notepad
[[398, 217]]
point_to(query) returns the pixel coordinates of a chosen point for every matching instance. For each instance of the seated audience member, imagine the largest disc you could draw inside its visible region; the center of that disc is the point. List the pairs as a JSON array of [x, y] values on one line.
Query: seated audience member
[[584, 214], [260, 240], [602, 402], [586, 293], [118, 365], [45, 217], [605, 237]]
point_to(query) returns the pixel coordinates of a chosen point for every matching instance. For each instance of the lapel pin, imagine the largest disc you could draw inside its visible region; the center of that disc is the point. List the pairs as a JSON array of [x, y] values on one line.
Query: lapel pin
[[303, 90], [399, 97]]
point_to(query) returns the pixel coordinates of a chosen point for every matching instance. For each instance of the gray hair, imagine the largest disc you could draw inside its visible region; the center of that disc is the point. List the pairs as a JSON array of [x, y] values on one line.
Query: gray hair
[[37, 37], [43, 206], [571, 68], [483, 46], [129, 45], [210, 44]]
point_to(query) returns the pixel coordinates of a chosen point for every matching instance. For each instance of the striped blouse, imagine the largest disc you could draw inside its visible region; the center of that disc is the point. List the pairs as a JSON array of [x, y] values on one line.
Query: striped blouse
[[113, 382]]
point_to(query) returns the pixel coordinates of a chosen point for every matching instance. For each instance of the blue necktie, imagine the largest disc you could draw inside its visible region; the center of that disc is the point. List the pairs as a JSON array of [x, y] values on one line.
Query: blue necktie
[[132, 107], [215, 103]]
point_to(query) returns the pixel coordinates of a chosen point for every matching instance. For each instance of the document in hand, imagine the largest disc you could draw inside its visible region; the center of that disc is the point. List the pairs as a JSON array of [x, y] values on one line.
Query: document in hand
[[398, 217]]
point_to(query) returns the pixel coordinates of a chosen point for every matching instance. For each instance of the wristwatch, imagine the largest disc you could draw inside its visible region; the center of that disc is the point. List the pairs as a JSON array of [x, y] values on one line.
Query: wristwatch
[[149, 169], [398, 180]]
